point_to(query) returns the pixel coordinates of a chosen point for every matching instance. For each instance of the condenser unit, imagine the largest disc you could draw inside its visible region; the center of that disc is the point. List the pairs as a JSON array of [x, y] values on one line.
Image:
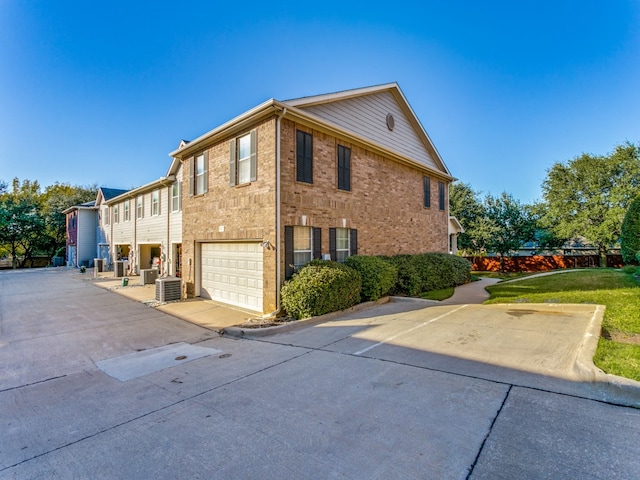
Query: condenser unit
[[148, 276], [120, 268], [168, 289]]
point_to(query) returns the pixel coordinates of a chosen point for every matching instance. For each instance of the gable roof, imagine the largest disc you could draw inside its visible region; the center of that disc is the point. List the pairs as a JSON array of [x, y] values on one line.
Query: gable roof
[[380, 113], [359, 115]]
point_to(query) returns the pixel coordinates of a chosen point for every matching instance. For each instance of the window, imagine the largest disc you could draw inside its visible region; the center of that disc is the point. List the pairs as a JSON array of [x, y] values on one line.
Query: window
[[155, 202], [199, 181], [106, 215], [426, 186], [301, 245], [127, 217], [344, 168], [304, 157], [242, 159], [176, 198], [343, 242], [116, 214], [140, 207], [441, 194]]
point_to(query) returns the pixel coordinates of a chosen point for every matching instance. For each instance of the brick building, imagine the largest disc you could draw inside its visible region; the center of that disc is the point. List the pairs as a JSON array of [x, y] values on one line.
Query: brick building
[[326, 176]]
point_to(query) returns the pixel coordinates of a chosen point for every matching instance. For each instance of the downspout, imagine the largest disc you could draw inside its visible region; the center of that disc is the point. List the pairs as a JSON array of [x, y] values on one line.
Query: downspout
[[278, 235]]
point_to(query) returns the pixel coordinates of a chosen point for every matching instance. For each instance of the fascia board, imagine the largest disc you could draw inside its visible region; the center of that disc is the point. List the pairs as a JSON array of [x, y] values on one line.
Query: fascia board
[[162, 181], [261, 111]]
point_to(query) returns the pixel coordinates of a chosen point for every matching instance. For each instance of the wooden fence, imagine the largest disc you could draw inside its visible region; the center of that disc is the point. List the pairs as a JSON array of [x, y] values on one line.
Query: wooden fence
[[541, 263]]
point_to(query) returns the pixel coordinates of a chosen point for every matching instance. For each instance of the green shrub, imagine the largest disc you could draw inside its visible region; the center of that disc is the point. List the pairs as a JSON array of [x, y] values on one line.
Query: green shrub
[[378, 276], [429, 271], [630, 234], [321, 287], [409, 281], [632, 269]]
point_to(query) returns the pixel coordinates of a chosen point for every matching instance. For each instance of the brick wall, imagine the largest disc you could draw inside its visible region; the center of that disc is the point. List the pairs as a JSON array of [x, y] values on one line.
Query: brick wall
[[244, 212], [385, 203]]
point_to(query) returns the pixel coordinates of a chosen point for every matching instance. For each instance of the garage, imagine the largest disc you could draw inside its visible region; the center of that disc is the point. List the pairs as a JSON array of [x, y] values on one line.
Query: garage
[[232, 273]]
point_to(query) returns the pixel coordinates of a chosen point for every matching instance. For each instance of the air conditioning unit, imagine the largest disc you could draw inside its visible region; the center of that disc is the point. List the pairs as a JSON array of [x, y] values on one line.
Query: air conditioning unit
[[168, 289], [148, 276], [120, 268]]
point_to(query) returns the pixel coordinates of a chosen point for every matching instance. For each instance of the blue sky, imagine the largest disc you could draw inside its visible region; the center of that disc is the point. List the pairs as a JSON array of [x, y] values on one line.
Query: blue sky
[[101, 92]]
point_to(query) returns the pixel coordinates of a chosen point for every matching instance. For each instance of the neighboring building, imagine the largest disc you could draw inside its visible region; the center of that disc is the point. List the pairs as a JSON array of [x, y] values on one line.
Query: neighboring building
[[81, 234], [145, 226], [326, 176], [103, 230], [87, 230]]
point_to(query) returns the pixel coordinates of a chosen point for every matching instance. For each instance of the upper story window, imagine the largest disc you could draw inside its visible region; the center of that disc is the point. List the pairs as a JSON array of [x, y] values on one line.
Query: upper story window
[[441, 195], [116, 214], [140, 207], [155, 202], [176, 197], [127, 216], [243, 159], [344, 168], [426, 187], [304, 157], [199, 181], [106, 215]]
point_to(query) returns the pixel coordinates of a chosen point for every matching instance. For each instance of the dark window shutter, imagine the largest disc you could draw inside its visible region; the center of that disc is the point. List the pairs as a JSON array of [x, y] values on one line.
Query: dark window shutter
[[192, 178], [353, 241], [254, 150], [332, 244], [304, 157], [232, 162], [427, 191], [344, 168], [317, 242], [288, 252], [441, 194], [206, 171]]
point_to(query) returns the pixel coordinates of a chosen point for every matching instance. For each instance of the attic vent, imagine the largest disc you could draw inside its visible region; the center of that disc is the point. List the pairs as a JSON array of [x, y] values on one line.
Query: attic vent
[[390, 121]]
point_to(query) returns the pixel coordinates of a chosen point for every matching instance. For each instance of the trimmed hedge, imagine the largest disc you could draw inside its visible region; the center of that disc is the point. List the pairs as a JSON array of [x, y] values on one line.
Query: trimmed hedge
[[320, 287], [378, 276], [429, 271]]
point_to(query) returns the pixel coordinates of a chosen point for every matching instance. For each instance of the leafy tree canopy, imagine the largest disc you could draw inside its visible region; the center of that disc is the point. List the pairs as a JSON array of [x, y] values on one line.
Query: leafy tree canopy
[[589, 195]]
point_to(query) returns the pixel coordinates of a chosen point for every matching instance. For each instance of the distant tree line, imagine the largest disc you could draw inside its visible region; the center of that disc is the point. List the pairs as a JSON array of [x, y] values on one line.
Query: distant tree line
[[585, 199], [31, 220]]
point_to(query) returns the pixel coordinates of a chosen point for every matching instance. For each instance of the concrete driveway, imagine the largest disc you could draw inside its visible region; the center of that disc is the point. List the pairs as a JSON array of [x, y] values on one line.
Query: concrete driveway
[[364, 396]]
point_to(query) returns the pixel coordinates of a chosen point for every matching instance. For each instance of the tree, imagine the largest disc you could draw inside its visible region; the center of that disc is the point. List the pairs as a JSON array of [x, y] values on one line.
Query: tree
[[630, 234], [32, 222], [588, 196], [21, 222], [57, 198], [511, 224], [465, 206]]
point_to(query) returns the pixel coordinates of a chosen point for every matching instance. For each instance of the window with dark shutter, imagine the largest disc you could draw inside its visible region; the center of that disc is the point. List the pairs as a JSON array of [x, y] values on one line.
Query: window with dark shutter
[[441, 194], [344, 168], [243, 159], [288, 252], [426, 185], [304, 157]]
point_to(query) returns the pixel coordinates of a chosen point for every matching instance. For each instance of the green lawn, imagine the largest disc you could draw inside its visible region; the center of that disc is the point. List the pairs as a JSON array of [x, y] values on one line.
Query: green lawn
[[618, 291]]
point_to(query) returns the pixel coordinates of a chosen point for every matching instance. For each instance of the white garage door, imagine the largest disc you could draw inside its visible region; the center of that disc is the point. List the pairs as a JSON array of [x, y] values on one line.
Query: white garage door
[[232, 273]]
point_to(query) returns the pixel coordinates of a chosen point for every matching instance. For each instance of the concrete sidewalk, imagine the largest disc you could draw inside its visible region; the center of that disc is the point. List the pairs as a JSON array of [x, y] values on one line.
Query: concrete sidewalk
[[199, 311]]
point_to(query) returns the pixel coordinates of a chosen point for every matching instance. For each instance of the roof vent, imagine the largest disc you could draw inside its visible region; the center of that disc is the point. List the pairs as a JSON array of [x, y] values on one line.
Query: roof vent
[[390, 121]]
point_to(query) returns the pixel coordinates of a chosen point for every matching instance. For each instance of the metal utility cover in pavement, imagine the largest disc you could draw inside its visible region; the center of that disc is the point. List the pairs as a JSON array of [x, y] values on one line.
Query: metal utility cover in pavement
[[139, 364]]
